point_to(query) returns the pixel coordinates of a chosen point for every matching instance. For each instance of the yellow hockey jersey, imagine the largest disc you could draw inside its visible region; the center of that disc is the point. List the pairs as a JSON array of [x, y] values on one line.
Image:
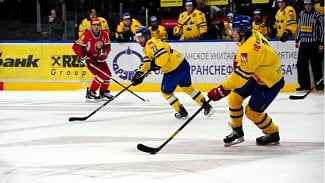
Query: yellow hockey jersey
[[135, 24], [256, 58], [260, 27], [160, 33], [286, 19], [85, 25], [319, 7], [191, 26], [162, 54]]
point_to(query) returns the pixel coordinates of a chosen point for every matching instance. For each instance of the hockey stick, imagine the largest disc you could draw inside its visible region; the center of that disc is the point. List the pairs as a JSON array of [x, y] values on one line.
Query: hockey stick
[[298, 97], [153, 150], [144, 100], [108, 101]]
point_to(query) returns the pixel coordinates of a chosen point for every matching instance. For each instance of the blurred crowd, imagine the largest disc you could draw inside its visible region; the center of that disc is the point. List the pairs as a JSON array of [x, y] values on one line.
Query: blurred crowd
[[121, 17]]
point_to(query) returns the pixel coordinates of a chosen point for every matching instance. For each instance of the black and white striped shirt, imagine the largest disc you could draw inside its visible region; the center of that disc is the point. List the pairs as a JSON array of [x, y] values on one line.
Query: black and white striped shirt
[[310, 27]]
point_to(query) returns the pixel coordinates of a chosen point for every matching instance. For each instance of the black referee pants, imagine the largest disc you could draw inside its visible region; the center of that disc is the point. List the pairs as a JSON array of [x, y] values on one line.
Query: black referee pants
[[308, 53]]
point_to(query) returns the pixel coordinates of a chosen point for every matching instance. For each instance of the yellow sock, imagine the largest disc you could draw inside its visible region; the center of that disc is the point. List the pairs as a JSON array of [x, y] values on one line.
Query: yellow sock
[[262, 121], [235, 102], [196, 95], [172, 100]]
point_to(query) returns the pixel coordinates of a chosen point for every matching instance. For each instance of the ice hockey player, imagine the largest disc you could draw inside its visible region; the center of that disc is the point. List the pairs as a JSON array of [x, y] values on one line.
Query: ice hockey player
[[126, 29], [92, 48], [158, 55], [191, 24], [157, 31], [285, 25], [258, 75]]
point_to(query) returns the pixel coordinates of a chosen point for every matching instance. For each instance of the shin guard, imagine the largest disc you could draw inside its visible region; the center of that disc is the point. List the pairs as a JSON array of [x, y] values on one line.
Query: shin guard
[[235, 102], [261, 120]]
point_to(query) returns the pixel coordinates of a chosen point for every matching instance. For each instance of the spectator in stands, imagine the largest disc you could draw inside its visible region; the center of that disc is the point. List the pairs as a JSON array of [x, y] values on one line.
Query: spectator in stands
[[56, 26], [85, 23], [259, 24], [213, 30], [157, 31], [310, 41], [191, 25], [127, 28], [227, 26], [285, 21]]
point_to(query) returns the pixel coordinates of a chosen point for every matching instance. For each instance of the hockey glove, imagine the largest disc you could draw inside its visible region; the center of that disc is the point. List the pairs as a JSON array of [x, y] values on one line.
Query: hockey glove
[[273, 33], [285, 36], [127, 35], [203, 36], [177, 36], [83, 59], [218, 93], [153, 66], [138, 78]]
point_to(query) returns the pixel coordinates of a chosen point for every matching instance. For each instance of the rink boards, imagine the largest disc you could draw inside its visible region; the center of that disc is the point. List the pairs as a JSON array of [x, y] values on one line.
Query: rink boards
[[53, 65]]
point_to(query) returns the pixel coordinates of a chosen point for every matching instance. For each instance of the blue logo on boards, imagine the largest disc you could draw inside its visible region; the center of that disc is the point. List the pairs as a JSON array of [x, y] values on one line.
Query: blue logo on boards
[[120, 69]]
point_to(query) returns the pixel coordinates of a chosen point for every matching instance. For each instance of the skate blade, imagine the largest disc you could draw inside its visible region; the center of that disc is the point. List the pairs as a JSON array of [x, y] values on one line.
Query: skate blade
[[105, 99], [269, 144], [92, 100], [212, 111], [185, 117], [237, 141]]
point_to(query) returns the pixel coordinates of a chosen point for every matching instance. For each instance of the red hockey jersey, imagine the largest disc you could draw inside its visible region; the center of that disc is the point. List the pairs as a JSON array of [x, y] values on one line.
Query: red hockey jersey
[[91, 45]]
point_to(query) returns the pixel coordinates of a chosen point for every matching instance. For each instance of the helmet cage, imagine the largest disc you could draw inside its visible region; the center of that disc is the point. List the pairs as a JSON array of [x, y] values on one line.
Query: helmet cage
[[242, 24]]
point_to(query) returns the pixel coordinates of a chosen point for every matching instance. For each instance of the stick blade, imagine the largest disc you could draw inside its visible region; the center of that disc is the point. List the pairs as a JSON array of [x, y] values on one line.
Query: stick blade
[[77, 119], [147, 149], [296, 97]]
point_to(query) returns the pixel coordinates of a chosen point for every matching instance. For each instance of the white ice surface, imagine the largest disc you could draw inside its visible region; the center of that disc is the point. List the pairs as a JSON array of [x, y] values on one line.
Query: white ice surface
[[39, 145]]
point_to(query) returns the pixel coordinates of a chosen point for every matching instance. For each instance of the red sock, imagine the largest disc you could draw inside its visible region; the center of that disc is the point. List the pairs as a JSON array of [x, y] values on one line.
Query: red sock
[[94, 85]]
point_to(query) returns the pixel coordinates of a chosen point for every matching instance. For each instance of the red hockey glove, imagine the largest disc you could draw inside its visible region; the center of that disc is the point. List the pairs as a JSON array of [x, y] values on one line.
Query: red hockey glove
[[218, 93]]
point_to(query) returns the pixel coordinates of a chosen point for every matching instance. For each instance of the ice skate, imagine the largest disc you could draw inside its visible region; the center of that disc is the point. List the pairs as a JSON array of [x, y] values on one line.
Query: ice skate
[[105, 95], [91, 96], [302, 90], [320, 89], [235, 137], [208, 110], [272, 139], [182, 113]]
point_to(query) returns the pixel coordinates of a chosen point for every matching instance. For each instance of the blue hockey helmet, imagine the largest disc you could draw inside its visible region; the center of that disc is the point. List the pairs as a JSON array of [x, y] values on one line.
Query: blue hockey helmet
[[126, 15], [142, 31], [188, 2], [230, 15], [153, 19], [257, 11], [243, 24]]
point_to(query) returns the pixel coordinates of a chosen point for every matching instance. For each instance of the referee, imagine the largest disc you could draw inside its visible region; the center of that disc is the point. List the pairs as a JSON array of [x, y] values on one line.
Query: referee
[[310, 41]]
